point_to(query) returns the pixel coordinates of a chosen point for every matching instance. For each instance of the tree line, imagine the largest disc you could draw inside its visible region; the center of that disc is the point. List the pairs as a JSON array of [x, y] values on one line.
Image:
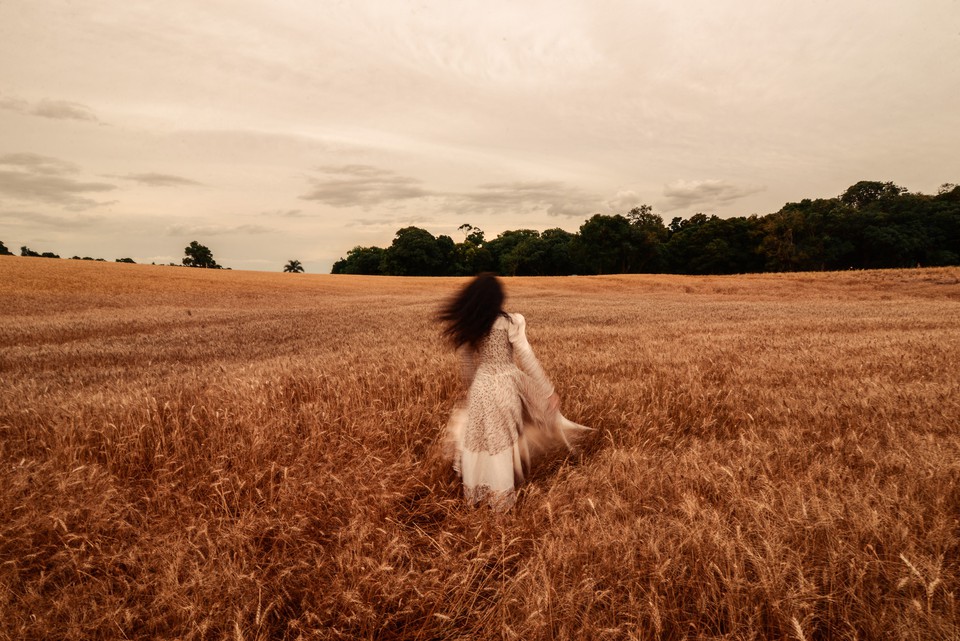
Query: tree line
[[871, 225], [195, 255]]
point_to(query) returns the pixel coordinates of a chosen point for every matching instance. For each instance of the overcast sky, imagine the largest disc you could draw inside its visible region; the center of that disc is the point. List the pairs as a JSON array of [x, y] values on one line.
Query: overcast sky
[[301, 128]]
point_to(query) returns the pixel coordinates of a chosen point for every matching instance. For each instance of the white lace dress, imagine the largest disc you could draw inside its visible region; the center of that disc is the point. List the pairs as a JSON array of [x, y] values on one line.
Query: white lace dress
[[506, 417]]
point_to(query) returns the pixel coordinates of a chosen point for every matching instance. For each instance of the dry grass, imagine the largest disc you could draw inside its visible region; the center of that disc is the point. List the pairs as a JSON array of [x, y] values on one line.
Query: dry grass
[[200, 455]]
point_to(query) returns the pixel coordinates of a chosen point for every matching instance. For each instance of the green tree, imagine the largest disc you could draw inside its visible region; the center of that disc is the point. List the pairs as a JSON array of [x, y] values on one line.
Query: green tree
[[470, 259], [361, 260], [198, 255], [943, 214], [473, 234], [650, 234], [867, 192], [714, 245], [872, 224], [4, 251], [126, 260], [643, 216], [26, 251], [504, 249], [527, 258], [447, 253], [687, 241], [293, 267], [470, 256], [558, 252], [804, 236], [608, 245], [415, 252]]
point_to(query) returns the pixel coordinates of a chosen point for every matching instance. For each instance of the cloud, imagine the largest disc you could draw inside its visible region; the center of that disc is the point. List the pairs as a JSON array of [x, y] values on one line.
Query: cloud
[[14, 104], [39, 164], [394, 223], [54, 109], [216, 230], [284, 213], [29, 218], [365, 185], [683, 193], [158, 180], [553, 197], [63, 110], [362, 185], [624, 201], [32, 177]]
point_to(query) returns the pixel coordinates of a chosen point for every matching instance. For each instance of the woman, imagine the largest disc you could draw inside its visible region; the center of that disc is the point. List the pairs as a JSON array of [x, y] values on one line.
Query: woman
[[510, 412]]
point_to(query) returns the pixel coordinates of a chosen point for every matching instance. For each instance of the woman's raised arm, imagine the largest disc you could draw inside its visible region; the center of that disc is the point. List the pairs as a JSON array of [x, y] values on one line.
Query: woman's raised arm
[[526, 360]]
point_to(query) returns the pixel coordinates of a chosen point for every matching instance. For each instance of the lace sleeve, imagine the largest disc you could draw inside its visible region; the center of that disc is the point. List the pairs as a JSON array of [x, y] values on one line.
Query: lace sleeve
[[468, 365], [524, 353]]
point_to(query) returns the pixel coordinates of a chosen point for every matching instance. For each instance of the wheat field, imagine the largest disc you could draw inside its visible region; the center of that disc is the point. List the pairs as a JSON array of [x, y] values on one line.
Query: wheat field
[[194, 454]]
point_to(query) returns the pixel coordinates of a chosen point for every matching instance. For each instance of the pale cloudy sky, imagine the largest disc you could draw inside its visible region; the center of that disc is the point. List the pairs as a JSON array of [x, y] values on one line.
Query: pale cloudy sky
[[301, 128]]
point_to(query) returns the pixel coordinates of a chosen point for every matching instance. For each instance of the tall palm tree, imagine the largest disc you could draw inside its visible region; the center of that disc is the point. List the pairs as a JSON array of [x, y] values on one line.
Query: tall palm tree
[[293, 267]]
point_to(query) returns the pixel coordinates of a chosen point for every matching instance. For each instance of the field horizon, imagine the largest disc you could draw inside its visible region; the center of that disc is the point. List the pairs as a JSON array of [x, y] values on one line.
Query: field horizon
[[206, 454]]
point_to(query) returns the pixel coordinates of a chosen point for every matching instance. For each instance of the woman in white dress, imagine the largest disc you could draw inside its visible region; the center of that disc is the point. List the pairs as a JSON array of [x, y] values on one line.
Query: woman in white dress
[[511, 410]]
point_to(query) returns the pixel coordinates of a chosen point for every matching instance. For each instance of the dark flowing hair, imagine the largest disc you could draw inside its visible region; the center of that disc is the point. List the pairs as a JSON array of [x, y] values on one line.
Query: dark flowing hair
[[471, 313]]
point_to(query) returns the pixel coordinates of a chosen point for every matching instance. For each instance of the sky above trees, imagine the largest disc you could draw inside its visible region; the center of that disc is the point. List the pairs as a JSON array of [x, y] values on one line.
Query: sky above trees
[[299, 129]]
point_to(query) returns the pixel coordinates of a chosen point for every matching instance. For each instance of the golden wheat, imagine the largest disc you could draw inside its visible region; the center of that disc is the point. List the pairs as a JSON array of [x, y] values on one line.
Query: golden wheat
[[194, 454]]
